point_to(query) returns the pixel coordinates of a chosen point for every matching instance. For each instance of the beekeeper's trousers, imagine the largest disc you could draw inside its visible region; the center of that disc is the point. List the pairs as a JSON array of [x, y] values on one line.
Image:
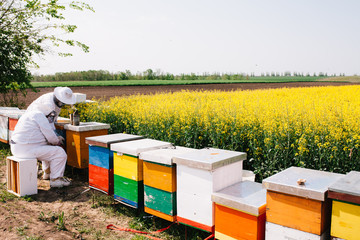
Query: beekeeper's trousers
[[51, 156]]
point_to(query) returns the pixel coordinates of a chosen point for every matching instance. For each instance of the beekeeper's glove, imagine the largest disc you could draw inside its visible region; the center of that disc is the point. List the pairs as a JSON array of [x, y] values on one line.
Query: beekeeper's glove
[[61, 140]]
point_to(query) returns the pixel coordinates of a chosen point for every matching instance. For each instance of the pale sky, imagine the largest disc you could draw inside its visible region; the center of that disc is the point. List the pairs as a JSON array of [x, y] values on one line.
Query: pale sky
[[226, 36]]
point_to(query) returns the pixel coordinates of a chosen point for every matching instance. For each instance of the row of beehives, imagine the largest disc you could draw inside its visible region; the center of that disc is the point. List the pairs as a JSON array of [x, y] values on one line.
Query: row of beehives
[[204, 189]]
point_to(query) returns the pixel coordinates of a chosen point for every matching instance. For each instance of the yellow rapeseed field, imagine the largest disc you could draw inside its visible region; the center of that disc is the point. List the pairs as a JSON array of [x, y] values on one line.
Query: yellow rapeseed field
[[317, 127]]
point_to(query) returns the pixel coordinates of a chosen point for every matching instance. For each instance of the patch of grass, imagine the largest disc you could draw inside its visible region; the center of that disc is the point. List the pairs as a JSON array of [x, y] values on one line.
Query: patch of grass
[[27, 198], [4, 152], [21, 230], [33, 238], [352, 79], [140, 221], [61, 222], [5, 195], [173, 82], [51, 217], [85, 230]]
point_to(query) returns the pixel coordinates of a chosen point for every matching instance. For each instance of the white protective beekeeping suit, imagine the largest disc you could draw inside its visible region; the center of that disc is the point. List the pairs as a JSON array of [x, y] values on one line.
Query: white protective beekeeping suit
[[34, 137], [57, 99]]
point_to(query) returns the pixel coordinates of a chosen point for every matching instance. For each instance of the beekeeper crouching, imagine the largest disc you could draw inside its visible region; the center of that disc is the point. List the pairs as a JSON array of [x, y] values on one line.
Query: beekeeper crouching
[[34, 137], [60, 97]]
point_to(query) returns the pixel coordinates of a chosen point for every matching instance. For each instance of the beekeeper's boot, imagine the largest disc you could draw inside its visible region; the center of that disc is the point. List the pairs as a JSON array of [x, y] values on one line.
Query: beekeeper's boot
[[59, 182]]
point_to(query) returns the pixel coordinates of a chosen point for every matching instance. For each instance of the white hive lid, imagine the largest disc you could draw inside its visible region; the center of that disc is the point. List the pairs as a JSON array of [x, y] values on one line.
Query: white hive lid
[[136, 147], [315, 187], [14, 113], [349, 184], [87, 126], [164, 156], [245, 196], [209, 158], [106, 140]]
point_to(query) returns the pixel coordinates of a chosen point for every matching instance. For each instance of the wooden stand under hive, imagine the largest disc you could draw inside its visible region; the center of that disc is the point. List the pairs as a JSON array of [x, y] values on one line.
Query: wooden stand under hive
[[101, 160], [240, 211], [128, 170], [199, 175], [76, 148], [304, 206], [160, 181], [345, 217]]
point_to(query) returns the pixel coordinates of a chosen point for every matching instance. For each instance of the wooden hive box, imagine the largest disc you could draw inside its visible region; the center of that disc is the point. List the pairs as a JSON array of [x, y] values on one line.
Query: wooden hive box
[[128, 169], [160, 181], [76, 148], [345, 217], [14, 117], [21, 176], [302, 207], [101, 164], [240, 211], [200, 174], [4, 123]]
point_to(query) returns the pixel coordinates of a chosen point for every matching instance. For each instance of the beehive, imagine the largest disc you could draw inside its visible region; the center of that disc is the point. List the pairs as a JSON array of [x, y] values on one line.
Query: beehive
[[128, 170], [76, 148], [160, 181], [13, 118], [345, 217], [277, 232], [240, 211], [101, 165], [199, 175], [21, 176], [304, 207]]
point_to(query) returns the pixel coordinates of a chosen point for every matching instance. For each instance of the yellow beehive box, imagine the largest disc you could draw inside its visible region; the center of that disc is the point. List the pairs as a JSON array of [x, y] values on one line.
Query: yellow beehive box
[[345, 217]]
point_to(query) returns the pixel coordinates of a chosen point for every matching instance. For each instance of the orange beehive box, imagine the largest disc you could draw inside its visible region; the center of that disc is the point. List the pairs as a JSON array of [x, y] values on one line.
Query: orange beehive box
[[76, 148], [302, 206], [240, 211]]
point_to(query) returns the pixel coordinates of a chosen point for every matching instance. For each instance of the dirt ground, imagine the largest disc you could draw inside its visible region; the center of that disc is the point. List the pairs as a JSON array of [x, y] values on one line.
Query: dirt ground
[[86, 212]]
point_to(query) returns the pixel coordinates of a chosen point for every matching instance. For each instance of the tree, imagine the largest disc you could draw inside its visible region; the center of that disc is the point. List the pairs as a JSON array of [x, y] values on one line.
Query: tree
[[27, 28]]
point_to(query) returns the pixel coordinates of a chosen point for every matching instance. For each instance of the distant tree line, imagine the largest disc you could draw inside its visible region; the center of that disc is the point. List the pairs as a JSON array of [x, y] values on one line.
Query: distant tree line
[[149, 74]]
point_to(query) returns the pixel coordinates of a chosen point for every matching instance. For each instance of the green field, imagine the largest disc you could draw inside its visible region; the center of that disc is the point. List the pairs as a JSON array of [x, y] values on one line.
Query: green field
[[176, 82]]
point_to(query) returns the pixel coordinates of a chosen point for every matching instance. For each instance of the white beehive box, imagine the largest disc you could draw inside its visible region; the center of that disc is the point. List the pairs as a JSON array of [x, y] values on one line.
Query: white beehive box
[[199, 175], [277, 232], [21, 176], [80, 97]]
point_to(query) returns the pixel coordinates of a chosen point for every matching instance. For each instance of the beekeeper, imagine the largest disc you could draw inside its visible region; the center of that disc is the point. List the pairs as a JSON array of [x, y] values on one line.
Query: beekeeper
[[34, 137], [60, 97]]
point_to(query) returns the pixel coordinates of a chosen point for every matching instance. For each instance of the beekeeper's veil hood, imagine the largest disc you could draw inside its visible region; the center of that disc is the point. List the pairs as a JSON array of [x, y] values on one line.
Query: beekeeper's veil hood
[[65, 95]]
